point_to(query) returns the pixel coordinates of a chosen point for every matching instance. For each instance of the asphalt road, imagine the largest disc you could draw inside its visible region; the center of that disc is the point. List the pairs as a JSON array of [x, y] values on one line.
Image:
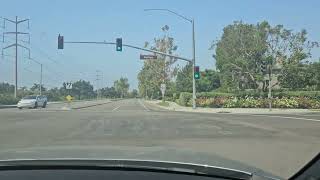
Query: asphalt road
[[280, 144]]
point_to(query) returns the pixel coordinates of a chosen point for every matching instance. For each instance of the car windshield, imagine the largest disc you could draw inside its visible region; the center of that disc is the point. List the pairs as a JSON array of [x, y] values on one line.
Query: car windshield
[[228, 83], [30, 97]]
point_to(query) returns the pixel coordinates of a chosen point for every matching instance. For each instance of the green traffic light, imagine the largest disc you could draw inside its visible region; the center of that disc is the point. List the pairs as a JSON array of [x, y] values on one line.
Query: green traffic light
[[197, 76], [119, 44]]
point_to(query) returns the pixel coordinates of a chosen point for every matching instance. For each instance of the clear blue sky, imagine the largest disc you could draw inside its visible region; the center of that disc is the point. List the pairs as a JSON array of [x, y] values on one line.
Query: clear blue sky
[[99, 20]]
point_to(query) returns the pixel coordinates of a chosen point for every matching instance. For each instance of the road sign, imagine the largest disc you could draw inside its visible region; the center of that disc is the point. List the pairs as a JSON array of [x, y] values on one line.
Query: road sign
[[147, 56], [68, 85], [69, 98], [163, 88]]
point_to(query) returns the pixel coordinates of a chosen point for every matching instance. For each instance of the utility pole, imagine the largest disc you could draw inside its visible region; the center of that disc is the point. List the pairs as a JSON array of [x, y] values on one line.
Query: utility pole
[[40, 79], [16, 22], [98, 79]]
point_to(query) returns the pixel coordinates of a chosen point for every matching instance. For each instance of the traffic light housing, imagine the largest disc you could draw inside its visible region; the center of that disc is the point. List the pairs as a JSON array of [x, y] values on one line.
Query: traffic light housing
[[196, 72], [60, 42], [263, 67], [119, 44]]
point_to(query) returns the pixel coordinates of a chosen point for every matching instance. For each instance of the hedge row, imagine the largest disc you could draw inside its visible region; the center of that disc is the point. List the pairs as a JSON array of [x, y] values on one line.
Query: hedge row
[[298, 99], [278, 94], [8, 99]]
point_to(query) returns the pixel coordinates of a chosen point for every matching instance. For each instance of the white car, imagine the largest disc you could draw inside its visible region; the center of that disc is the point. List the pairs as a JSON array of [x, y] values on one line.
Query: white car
[[32, 102]]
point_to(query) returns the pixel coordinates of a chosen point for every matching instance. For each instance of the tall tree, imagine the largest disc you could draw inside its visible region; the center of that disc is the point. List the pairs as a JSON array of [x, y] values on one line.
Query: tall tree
[[184, 79], [238, 53], [244, 47], [81, 89], [6, 88], [161, 70], [36, 88], [122, 86], [288, 51], [209, 81], [109, 92], [315, 79]]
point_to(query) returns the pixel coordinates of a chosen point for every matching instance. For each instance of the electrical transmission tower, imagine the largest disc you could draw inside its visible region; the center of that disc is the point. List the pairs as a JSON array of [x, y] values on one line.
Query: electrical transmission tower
[[98, 78], [16, 44]]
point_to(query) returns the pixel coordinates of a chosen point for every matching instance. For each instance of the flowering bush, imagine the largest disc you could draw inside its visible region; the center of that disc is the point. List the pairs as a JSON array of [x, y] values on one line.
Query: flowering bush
[[231, 103], [285, 103], [249, 102], [211, 102]]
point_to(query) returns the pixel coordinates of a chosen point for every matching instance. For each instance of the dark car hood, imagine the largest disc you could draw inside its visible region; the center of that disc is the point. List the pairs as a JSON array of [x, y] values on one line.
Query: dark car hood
[[129, 152]]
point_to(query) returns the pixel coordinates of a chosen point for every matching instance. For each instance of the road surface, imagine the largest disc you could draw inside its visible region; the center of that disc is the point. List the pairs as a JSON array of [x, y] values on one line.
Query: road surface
[[279, 144]]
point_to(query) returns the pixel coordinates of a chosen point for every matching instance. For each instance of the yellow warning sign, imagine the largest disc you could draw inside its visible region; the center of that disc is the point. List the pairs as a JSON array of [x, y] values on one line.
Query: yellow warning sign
[[69, 98]]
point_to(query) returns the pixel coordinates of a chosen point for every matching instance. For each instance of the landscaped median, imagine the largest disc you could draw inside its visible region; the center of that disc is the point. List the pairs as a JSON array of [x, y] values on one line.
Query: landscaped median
[[176, 107], [246, 102], [288, 100]]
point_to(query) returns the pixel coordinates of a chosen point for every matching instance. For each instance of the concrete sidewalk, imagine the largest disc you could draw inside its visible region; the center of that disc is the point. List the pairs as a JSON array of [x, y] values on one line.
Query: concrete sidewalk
[[175, 107]]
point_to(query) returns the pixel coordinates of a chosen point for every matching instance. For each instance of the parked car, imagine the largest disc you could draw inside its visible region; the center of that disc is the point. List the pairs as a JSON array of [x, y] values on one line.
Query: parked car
[[32, 102]]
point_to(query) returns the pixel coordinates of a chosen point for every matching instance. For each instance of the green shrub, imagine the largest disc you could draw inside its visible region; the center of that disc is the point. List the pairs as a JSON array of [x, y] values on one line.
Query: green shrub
[[278, 94], [175, 96], [213, 94], [282, 99], [231, 103], [8, 99], [249, 103], [285, 103], [185, 98]]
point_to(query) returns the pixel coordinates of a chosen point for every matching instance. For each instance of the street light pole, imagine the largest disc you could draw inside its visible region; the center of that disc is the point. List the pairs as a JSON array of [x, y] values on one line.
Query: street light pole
[[40, 88], [40, 79], [193, 51], [194, 64], [16, 62]]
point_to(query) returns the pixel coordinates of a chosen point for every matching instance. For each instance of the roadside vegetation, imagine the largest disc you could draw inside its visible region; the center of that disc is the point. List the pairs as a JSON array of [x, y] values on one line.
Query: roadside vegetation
[[163, 103], [246, 57], [81, 90]]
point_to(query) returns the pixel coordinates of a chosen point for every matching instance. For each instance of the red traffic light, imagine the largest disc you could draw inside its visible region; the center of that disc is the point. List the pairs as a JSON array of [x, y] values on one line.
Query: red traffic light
[[196, 69]]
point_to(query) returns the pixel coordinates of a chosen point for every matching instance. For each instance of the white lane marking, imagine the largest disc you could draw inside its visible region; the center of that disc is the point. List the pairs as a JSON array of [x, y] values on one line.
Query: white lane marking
[[141, 103], [116, 108], [288, 117]]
